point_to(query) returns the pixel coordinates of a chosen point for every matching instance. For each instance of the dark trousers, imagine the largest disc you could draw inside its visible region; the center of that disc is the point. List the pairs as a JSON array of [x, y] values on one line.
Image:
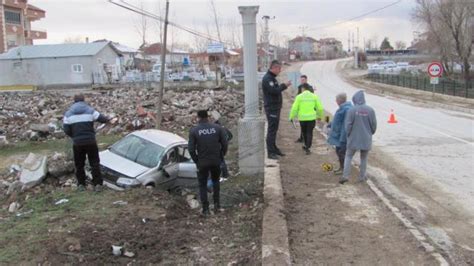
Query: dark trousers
[[307, 129], [273, 119], [341, 154], [92, 153], [203, 173], [224, 169]]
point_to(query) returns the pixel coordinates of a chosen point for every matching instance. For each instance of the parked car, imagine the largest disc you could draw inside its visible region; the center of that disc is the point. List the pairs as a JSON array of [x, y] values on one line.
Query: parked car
[[374, 69], [150, 158], [388, 66]]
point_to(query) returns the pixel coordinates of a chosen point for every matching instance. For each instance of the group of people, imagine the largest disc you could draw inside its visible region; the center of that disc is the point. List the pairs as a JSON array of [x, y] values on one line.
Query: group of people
[[351, 129]]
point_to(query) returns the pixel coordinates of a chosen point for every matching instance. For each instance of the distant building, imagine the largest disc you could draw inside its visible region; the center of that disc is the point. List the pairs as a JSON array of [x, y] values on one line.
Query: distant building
[[174, 57], [330, 48], [302, 47], [15, 24], [61, 65]]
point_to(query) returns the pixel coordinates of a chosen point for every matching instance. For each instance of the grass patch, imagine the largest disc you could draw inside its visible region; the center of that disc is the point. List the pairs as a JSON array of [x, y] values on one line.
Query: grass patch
[[29, 232], [58, 145]]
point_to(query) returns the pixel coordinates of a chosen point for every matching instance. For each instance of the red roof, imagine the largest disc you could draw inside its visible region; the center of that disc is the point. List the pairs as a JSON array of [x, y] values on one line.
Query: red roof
[[153, 49]]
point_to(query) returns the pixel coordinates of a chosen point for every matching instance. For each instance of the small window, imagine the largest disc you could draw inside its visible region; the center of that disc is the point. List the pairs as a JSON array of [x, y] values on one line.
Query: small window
[[12, 17], [77, 68]]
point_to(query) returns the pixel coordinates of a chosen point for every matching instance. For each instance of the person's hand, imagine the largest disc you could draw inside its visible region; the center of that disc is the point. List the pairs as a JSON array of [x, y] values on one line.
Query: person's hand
[[288, 83]]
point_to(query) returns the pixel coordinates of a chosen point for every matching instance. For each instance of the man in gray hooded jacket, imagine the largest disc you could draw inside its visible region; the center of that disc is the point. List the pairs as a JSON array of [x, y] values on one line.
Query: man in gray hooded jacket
[[360, 125]]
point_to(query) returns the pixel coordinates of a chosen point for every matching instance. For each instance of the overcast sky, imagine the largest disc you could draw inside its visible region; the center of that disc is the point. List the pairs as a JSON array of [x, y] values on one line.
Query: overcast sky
[[99, 19]]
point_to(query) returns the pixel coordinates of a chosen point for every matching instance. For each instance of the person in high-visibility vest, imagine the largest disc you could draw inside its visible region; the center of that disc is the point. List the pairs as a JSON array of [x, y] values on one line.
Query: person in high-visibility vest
[[307, 108]]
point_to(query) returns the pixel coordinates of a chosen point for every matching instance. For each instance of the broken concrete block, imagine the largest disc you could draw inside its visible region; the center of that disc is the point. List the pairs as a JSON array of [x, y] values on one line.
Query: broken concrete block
[[14, 187], [3, 141], [193, 204], [14, 206], [44, 128], [34, 170]]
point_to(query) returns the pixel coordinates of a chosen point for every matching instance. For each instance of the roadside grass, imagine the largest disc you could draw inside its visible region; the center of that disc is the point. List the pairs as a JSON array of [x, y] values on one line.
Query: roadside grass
[[50, 146], [22, 237]]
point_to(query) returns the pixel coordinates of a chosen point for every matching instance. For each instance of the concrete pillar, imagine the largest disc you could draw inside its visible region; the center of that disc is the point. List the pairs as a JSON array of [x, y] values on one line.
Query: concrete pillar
[[251, 127]]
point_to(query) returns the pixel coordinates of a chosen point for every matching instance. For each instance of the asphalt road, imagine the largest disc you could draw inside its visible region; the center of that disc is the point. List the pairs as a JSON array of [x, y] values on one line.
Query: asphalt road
[[436, 146]]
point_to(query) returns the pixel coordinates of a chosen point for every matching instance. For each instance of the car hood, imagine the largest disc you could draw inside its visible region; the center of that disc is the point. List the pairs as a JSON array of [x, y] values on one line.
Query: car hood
[[121, 165]]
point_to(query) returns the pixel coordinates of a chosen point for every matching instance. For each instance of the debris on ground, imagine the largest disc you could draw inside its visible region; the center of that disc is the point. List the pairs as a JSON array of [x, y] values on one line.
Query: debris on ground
[[33, 171], [38, 115], [61, 201]]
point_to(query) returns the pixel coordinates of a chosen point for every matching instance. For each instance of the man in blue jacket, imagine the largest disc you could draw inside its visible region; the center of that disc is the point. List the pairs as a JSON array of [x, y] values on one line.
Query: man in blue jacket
[[338, 137], [360, 124], [78, 123]]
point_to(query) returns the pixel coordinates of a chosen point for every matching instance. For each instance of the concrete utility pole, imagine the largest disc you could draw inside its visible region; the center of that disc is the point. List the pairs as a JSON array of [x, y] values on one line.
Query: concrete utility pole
[[163, 67], [251, 127], [349, 41], [266, 41]]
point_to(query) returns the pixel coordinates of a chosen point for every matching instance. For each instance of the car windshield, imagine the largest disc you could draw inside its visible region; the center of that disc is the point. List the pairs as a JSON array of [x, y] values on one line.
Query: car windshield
[[138, 150]]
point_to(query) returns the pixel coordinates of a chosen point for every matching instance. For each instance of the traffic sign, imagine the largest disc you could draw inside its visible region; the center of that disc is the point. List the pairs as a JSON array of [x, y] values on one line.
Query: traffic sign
[[435, 69], [434, 80]]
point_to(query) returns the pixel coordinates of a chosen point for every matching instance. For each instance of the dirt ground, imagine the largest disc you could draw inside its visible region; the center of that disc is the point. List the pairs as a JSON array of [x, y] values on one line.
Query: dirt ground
[[158, 227], [337, 224]]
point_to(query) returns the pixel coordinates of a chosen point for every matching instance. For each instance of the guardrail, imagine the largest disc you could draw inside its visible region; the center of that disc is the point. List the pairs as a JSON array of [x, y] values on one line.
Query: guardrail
[[445, 86]]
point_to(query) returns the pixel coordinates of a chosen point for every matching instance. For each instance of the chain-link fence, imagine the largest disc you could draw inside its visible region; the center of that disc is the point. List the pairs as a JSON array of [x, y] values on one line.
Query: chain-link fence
[[445, 86]]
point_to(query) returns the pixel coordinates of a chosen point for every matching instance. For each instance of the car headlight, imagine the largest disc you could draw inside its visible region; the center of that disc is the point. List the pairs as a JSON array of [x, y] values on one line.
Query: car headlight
[[127, 182]]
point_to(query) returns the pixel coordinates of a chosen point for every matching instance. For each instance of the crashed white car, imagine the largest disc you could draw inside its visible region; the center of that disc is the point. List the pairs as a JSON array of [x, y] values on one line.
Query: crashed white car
[[151, 158]]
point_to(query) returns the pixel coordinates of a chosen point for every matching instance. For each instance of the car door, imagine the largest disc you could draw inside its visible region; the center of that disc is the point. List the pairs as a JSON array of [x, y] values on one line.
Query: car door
[[187, 171], [169, 168]]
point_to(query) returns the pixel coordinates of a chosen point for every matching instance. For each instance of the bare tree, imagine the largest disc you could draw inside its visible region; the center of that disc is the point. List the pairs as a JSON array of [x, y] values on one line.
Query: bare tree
[[159, 23], [76, 39], [141, 24], [216, 19], [451, 23], [400, 45]]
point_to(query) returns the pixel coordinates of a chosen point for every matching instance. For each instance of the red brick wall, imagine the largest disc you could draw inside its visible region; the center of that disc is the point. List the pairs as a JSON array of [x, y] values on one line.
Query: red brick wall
[[2, 31]]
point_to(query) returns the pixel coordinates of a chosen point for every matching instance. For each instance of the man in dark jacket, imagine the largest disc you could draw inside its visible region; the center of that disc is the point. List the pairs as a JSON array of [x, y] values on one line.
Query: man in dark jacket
[[272, 103], [78, 123], [303, 84], [303, 81], [338, 136], [360, 124], [207, 145]]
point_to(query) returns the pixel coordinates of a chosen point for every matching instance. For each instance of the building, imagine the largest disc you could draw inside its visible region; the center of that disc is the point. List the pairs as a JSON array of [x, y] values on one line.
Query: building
[[60, 65], [302, 47], [330, 48], [15, 24], [174, 57], [128, 54]]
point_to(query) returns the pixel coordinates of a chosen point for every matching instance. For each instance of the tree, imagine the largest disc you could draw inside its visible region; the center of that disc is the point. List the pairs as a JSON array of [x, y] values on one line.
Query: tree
[[386, 44], [76, 39], [141, 24], [400, 45], [451, 23]]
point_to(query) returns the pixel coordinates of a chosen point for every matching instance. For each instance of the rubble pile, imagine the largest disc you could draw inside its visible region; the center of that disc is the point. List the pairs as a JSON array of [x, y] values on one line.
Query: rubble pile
[[38, 115]]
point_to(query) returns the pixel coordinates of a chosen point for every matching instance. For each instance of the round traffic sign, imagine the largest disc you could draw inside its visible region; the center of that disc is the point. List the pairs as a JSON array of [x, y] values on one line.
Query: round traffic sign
[[435, 69]]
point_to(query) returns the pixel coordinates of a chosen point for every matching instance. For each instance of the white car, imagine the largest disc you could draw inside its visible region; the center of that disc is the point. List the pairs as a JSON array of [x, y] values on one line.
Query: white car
[[151, 158], [374, 68]]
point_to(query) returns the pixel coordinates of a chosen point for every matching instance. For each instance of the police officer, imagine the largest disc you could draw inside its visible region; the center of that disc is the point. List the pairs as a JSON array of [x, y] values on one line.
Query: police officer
[[207, 145], [272, 103]]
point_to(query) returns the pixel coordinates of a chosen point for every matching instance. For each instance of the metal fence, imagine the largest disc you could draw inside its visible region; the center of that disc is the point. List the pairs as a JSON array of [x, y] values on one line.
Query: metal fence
[[445, 86]]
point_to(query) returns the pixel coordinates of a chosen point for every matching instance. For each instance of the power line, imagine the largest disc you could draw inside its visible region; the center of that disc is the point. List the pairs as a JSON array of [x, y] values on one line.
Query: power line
[[357, 17], [140, 11]]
